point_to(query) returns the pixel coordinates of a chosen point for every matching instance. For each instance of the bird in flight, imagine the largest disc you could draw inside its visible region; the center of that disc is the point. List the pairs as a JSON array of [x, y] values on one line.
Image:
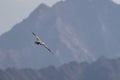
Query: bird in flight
[[40, 42]]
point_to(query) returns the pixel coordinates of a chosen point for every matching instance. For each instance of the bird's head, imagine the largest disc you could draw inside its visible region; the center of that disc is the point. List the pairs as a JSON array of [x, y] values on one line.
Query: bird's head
[[36, 42]]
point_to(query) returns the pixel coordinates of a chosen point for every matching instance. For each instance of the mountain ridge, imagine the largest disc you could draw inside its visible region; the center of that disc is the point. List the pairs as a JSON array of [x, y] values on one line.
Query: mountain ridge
[[80, 30], [103, 68]]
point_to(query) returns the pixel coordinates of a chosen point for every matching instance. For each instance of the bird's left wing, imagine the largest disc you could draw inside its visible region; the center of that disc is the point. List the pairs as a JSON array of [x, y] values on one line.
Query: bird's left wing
[[36, 36]]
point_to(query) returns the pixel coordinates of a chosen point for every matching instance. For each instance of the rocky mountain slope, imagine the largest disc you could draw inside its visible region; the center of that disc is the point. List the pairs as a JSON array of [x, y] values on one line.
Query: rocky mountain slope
[[80, 30], [102, 69]]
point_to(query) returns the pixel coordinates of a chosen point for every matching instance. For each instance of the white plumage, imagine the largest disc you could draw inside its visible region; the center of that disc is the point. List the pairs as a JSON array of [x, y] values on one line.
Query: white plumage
[[40, 42]]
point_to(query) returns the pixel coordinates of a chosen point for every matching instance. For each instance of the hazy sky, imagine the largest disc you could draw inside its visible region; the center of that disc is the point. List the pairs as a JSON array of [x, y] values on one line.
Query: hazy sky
[[14, 11]]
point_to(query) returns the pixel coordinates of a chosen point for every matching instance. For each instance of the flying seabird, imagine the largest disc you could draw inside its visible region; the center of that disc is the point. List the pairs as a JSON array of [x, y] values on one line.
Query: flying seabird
[[40, 42]]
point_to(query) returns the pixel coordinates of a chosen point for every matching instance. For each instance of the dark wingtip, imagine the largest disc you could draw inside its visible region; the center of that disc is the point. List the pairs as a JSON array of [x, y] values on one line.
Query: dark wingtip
[[33, 33], [49, 50]]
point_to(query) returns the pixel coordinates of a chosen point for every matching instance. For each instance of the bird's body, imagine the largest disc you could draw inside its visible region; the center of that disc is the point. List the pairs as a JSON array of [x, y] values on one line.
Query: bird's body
[[40, 42]]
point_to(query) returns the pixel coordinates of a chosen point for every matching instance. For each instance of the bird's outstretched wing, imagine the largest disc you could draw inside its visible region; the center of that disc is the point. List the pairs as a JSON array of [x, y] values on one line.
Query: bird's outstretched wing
[[41, 42], [36, 36], [46, 47]]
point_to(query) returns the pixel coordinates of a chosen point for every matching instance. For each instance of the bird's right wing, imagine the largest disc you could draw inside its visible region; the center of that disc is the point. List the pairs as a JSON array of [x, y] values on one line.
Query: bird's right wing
[[46, 47], [36, 36]]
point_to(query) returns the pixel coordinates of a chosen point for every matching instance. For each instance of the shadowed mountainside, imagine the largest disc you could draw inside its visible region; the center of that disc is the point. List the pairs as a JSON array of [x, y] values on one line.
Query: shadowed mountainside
[[80, 30], [102, 69]]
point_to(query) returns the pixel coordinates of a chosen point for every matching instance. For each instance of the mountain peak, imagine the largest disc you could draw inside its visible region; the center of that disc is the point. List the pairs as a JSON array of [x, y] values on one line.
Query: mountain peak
[[40, 9], [43, 6], [77, 30]]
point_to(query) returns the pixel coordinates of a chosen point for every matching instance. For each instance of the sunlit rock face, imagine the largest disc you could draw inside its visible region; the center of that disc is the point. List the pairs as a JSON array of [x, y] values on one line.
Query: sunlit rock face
[[80, 30]]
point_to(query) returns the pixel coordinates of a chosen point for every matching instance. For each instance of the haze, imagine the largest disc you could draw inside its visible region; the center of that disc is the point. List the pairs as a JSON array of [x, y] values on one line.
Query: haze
[[14, 11]]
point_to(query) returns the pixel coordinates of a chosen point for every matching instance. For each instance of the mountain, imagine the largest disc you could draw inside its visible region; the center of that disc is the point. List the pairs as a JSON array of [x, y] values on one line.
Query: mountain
[[80, 30], [105, 69], [102, 69]]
